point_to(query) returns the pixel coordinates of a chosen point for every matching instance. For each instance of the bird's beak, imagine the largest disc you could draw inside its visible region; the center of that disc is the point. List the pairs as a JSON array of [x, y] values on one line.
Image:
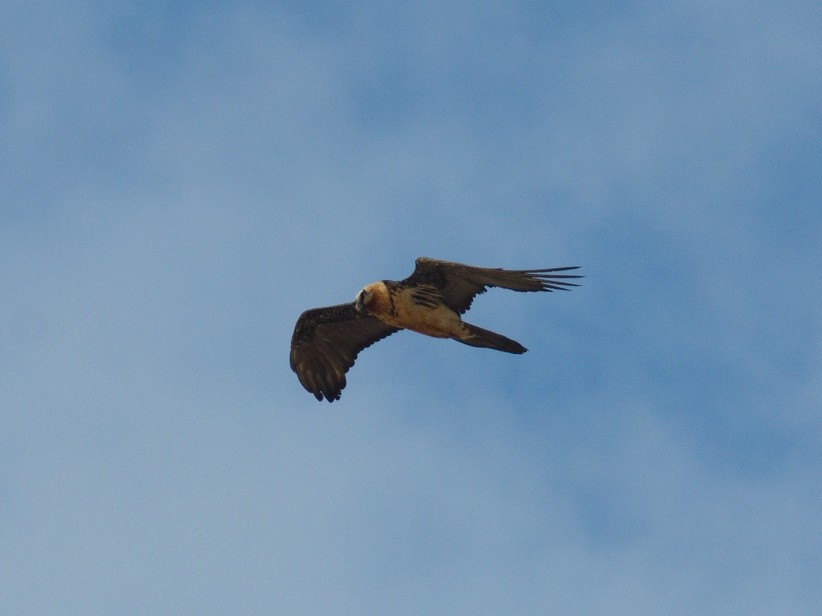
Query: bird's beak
[[359, 303]]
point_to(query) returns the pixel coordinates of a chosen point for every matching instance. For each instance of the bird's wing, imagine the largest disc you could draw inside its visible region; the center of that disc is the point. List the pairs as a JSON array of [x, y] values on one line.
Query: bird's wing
[[459, 283], [325, 344]]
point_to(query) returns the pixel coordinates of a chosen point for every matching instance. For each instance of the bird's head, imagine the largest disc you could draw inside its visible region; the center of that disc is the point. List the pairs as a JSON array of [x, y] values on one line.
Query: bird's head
[[368, 298], [361, 301]]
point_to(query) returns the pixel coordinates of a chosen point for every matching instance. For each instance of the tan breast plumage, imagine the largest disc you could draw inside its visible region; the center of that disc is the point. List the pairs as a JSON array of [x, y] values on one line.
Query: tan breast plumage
[[399, 309]]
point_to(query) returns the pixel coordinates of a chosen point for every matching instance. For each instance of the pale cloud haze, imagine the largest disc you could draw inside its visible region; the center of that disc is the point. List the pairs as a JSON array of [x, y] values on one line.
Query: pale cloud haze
[[180, 180]]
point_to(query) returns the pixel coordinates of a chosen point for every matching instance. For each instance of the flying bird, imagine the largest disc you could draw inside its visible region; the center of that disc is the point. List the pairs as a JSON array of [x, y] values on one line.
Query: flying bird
[[326, 341]]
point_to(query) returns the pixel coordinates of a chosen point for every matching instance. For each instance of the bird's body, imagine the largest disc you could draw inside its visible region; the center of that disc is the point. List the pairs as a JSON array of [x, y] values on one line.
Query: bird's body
[[326, 341], [418, 309]]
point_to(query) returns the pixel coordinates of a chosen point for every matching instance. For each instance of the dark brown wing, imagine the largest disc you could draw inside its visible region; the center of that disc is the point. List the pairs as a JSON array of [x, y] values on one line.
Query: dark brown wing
[[459, 283], [325, 344]]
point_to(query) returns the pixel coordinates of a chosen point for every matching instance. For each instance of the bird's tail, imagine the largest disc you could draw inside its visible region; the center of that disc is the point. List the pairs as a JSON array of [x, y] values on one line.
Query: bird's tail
[[478, 337]]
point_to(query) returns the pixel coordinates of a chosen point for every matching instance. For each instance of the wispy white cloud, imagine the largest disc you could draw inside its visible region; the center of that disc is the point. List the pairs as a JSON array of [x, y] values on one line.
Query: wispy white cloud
[[179, 194]]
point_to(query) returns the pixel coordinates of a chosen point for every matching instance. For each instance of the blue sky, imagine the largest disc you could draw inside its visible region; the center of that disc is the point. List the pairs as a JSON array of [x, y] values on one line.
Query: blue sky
[[179, 181]]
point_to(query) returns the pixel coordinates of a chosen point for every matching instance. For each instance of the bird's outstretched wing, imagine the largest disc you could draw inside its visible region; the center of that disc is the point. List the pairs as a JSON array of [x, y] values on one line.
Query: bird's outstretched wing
[[325, 345], [459, 283]]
